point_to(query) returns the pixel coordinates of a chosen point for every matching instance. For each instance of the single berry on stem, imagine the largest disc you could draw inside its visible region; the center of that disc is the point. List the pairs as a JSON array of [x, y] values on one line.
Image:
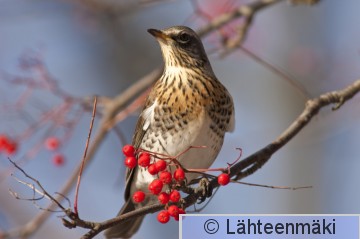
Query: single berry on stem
[[152, 169], [138, 196], [223, 179], [173, 210], [128, 150], [163, 216], [179, 174], [160, 165], [130, 162], [175, 196], [163, 198], [144, 160], [156, 186], [165, 177], [181, 211]]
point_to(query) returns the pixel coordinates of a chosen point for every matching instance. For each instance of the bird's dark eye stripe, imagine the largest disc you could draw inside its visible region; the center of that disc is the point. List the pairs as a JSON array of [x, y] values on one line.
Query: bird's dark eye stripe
[[184, 37]]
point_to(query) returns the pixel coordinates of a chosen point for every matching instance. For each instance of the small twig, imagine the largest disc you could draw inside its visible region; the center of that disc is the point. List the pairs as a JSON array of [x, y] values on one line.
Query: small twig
[[285, 76], [66, 198], [166, 156], [231, 44], [39, 184], [32, 186], [204, 170], [84, 158], [34, 199], [270, 186], [237, 160]]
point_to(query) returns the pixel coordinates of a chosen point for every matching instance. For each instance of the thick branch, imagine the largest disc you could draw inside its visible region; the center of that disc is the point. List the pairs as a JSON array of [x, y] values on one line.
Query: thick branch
[[255, 161]]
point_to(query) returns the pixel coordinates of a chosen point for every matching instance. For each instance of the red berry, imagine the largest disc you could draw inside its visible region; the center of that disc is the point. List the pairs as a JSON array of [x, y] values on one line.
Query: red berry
[[179, 174], [163, 198], [144, 160], [160, 165], [10, 148], [181, 211], [128, 150], [175, 196], [58, 160], [52, 143], [130, 162], [173, 210], [165, 177], [163, 216], [3, 141], [138, 196], [155, 186], [152, 169], [223, 179]]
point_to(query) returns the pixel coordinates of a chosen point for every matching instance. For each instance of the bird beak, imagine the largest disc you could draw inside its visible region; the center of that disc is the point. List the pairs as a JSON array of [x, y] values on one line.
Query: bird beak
[[159, 34]]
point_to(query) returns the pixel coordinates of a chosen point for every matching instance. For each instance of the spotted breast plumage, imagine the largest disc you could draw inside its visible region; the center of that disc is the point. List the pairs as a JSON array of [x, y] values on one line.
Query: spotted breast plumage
[[188, 106]]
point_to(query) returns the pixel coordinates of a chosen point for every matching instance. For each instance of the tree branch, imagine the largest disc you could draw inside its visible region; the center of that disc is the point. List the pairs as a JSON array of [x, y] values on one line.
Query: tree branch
[[238, 171], [244, 10], [255, 161]]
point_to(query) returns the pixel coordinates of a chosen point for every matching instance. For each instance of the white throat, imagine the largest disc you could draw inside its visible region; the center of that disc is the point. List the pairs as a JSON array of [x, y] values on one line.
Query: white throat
[[175, 70]]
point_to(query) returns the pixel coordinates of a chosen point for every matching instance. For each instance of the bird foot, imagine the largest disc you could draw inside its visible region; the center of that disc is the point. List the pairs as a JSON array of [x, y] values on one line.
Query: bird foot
[[205, 189]]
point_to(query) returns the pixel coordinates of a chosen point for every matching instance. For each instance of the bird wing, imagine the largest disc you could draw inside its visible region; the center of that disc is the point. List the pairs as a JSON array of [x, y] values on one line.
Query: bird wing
[[141, 127], [231, 125]]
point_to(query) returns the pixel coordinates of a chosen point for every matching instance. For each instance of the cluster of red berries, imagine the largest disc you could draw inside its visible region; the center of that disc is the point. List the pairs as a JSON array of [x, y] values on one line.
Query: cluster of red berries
[[53, 144], [7, 145], [159, 168]]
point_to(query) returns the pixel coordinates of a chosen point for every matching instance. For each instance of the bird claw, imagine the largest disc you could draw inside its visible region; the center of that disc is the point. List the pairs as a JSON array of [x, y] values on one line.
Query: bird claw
[[205, 188]]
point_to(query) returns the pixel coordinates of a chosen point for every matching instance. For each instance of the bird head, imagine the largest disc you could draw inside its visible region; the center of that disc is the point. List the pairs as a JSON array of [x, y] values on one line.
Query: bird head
[[181, 47]]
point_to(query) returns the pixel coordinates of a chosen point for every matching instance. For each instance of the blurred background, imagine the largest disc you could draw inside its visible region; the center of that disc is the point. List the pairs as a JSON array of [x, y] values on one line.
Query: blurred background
[[102, 47]]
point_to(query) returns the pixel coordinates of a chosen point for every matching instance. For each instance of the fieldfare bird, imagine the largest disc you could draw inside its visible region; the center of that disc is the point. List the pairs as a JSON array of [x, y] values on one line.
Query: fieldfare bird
[[187, 106]]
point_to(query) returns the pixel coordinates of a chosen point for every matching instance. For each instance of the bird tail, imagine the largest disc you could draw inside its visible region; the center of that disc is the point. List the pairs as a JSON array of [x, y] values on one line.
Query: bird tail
[[127, 228]]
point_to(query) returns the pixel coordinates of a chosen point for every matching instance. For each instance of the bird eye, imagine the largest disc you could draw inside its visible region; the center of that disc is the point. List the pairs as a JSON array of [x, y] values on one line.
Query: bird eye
[[184, 38]]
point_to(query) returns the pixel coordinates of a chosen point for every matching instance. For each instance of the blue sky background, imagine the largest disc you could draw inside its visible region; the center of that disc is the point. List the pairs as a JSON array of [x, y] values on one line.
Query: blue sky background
[[90, 52]]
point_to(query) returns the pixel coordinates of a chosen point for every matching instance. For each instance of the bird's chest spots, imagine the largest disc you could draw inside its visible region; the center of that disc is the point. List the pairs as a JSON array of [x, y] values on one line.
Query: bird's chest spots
[[172, 143], [181, 87], [171, 132]]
